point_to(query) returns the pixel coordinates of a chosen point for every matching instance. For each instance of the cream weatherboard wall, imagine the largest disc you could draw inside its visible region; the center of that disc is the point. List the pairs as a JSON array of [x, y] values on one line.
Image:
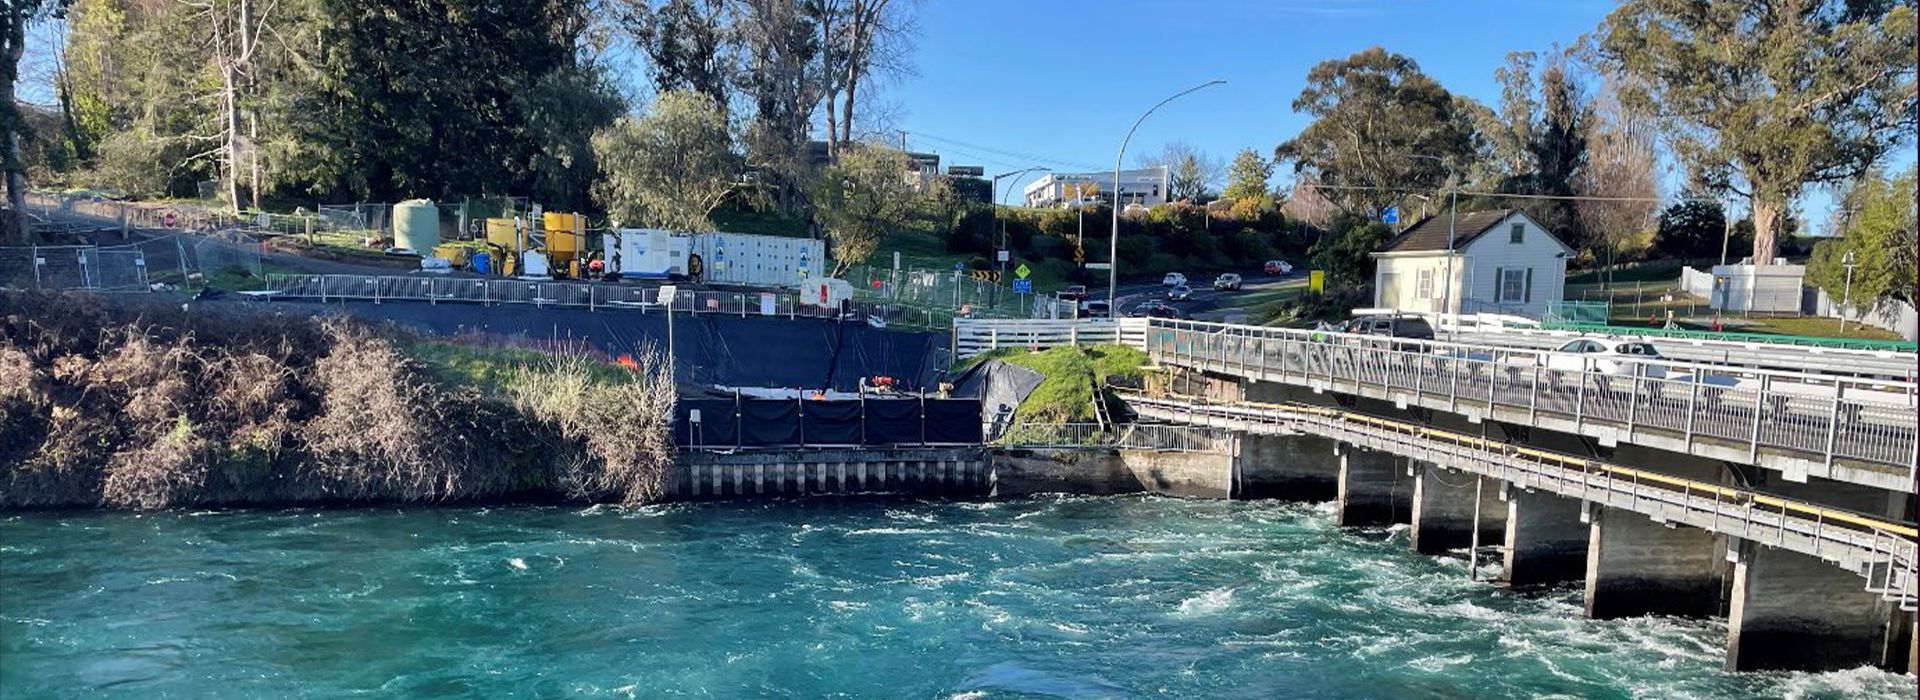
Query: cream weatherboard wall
[[1533, 269]]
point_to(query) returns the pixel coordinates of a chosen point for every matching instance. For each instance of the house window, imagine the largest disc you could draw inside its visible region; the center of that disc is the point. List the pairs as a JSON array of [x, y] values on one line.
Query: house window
[[1519, 233], [1423, 289], [1513, 286]]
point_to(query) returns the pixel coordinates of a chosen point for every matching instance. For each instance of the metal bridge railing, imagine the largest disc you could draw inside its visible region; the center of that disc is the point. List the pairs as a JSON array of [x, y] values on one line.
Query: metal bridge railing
[[1882, 552], [1820, 417], [1137, 436]]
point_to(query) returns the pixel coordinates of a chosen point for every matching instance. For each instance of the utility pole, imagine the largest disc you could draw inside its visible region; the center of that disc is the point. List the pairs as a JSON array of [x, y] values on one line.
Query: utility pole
[[1846, 296]]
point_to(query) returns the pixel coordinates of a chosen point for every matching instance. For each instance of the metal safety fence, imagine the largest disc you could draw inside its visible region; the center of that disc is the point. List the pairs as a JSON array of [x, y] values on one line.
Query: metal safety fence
[[1819, 418], [1157, 437], [643, 298], [93, 268]]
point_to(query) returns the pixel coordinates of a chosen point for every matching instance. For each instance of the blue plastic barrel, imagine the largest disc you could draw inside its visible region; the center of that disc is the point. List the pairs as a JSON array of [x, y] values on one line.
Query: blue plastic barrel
[[479, 262]]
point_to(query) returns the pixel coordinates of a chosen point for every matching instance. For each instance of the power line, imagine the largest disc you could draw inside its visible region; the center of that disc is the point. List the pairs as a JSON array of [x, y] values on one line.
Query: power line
[[1514, 195], [1007, 153]]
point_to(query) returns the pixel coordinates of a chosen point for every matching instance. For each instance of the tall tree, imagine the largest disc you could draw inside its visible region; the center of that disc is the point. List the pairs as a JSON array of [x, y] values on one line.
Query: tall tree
[[1247, 177], [1619, 185], [1538, 139], [1691, 228], [1191, 173], [1879, 233], [860, 198], [785, 83], [668, 168], [1373, 110], [1765, 97], [690, 44], [15, 15], [874, 41]]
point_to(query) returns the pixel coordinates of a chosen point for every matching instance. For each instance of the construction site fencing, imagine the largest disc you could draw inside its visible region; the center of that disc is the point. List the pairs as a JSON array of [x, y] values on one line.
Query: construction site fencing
[[93, 268], [593, 296], [953, 289]]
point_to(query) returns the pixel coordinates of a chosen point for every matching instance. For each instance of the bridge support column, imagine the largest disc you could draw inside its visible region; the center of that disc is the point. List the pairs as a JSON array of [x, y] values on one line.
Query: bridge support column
[[1636, 566], [1546, 542], [1372, 488], [1289, 467], [1443, 509], [1794, 612]]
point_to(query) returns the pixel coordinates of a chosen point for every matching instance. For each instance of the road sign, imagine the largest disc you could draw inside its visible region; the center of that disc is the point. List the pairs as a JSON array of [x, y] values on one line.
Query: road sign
[[1023, 286], [1004, 256], [1079, 254], [1317, 281], [667, 293], [1022, 271], [1099, 266], [959, 266], [1390, 215]]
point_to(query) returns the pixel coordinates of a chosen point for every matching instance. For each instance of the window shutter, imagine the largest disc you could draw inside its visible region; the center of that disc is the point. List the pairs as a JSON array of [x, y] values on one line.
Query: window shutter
[[1527, 296], [1499, 284]]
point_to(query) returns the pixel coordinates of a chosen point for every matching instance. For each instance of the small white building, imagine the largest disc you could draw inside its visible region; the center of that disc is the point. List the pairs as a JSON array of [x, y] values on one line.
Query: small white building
[[1504, 262], [1146, 186]]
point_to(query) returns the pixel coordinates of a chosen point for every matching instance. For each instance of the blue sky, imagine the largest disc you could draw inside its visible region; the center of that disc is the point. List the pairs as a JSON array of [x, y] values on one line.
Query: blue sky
[[1064, 80]]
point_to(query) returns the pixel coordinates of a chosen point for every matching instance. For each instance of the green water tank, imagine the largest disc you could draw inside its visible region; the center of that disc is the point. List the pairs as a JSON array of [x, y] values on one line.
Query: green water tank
[[416, 226]]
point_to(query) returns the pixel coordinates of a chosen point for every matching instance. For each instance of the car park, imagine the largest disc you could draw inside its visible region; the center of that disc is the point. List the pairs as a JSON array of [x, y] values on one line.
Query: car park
[[1226, 282], [1180, 292], [1173, 279]]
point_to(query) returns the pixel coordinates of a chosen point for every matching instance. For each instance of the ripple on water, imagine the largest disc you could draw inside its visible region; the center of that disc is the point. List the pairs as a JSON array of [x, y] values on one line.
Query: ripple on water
[[1068, 597]]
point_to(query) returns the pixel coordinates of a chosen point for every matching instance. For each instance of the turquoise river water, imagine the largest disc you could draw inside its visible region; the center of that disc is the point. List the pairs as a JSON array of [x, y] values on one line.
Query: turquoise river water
[[1043, 598]]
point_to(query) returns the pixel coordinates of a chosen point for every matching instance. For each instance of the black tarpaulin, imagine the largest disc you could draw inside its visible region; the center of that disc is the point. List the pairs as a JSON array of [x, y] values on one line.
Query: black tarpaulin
[[831, 422], [717, 425], [893, 421], [953, 420], [769, 422]]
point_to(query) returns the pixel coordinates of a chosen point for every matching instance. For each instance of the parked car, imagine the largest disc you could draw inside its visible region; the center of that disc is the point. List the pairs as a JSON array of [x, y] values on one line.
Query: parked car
[[1227, 281], [1095, 309], [1173, 279], [1076, 292], [1613, 356], [1279, 267], [1395, 327]]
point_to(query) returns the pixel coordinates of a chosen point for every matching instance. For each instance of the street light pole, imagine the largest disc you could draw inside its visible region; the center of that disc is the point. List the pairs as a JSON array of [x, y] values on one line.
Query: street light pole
[[995, 197], [1113, 243], [1846, 296]]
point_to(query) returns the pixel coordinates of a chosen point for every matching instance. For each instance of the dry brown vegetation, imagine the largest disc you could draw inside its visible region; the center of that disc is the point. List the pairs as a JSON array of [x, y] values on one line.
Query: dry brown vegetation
[[119, 404]]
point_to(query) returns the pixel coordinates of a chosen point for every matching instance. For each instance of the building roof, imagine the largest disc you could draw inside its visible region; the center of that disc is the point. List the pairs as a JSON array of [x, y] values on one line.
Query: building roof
[[1430, 234]]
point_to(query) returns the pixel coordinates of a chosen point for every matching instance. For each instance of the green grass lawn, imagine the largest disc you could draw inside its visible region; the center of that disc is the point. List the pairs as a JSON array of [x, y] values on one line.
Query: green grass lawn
[[1807, 326], [1065, 393]]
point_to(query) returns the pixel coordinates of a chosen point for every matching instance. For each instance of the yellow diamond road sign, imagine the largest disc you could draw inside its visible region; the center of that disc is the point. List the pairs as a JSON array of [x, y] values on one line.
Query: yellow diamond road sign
[[1022, 271]]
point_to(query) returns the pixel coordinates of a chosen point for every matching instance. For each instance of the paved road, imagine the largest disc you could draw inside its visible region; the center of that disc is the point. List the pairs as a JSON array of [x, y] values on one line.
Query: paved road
[[1206, 304]]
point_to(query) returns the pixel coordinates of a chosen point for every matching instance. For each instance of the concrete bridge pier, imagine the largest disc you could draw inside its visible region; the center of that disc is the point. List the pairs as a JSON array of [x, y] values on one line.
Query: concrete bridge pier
[[1636, 566], [1373, 488], [1287, 467], [1443, 509], [1794, 612], [1545, 541]]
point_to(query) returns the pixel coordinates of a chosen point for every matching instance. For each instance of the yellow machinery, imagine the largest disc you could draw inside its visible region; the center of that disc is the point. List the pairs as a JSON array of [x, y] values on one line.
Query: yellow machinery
[[566, 237], [506, 234]]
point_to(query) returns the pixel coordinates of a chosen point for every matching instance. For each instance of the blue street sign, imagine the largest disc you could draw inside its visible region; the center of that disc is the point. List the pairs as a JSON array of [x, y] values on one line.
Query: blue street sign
[[958, 267], [1390, 215], [1023, 286]]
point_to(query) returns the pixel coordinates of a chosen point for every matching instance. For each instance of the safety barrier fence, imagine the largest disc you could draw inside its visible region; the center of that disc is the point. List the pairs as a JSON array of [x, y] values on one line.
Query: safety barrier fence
[[1820, 418], [1884, 360], [1883, 552], [94, 268], [643, 298], [740, 422], [1715, 337], [976, 336]]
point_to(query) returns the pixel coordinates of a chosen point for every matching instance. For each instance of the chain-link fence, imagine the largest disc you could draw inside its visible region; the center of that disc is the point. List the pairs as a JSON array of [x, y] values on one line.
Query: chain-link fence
[[114, 269], [228, 253], [955, 290]]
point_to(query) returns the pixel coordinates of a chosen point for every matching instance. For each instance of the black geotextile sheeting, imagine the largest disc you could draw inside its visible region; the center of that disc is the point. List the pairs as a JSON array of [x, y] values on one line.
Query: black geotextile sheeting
[[893, 421], [830, 422], [717, 426], [953, 420], [769, 422], [778, 422], [708, 349]]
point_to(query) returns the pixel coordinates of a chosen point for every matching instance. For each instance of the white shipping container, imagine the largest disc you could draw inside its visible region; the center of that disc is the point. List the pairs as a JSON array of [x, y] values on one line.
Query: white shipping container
[[768, 261]]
